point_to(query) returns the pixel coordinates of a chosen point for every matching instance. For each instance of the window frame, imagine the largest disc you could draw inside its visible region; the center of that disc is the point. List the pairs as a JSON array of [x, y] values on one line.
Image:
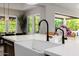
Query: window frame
[[33, 31], [36, 24], [70, 17], [9, 24], [5, 25]]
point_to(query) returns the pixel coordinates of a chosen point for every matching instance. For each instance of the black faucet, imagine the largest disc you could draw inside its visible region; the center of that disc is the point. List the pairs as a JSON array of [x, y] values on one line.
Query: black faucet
[[63, 38], [47, 28]]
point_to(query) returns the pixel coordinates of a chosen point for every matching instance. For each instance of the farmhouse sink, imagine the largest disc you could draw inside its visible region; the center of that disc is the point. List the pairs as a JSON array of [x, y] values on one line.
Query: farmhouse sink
[[41, 45], [32, 47]]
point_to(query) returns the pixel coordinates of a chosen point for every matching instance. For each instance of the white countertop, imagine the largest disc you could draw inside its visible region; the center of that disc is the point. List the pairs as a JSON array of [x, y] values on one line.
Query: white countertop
[[30, 37], [25, 37], [70, 48]]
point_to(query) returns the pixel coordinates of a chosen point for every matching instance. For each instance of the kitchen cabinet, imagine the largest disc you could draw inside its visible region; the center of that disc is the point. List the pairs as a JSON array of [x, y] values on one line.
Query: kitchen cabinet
[[1, 51], [8, 47]]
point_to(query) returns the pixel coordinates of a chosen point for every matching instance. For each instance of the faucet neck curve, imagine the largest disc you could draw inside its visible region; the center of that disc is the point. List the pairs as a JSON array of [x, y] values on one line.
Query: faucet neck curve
[[47, 27]]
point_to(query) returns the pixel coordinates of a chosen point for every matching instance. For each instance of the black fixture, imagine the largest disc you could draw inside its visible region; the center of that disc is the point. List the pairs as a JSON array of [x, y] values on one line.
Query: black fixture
[[63, 38], [20, 33], [47, 28]]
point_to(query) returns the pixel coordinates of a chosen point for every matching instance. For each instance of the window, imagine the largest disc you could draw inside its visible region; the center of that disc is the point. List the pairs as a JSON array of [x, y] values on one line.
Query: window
[[73, 24], [30, 24], [36, 23], [33, 23], [2, 24], [58, 22], [70, 22], [12, 24]]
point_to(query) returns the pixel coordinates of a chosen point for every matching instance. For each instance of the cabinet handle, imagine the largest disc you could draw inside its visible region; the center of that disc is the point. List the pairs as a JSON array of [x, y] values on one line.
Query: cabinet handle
[[6, 53], [8, 43]]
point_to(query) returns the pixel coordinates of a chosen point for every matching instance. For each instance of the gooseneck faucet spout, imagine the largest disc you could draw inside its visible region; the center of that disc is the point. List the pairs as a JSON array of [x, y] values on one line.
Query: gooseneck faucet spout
[[47, 27], [63, 38]]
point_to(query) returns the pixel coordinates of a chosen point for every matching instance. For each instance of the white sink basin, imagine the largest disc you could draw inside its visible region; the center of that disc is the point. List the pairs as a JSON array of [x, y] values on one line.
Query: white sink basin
[[42, 45], [56, 39], [33, 47]]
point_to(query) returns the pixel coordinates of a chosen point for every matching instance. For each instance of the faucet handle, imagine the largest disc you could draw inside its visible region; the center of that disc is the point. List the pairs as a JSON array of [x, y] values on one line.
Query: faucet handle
[[65, 38]]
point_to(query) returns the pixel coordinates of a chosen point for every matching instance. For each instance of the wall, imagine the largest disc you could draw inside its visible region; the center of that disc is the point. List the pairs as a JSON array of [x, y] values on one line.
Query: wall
[[38, 10], [12, 13]]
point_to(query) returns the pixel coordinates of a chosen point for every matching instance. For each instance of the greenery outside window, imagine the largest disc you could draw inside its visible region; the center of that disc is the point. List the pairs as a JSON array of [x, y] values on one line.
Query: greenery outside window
[[58, 22], [12, 24], [36, 23], [30, 24], [73, 24], [2, 24]]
